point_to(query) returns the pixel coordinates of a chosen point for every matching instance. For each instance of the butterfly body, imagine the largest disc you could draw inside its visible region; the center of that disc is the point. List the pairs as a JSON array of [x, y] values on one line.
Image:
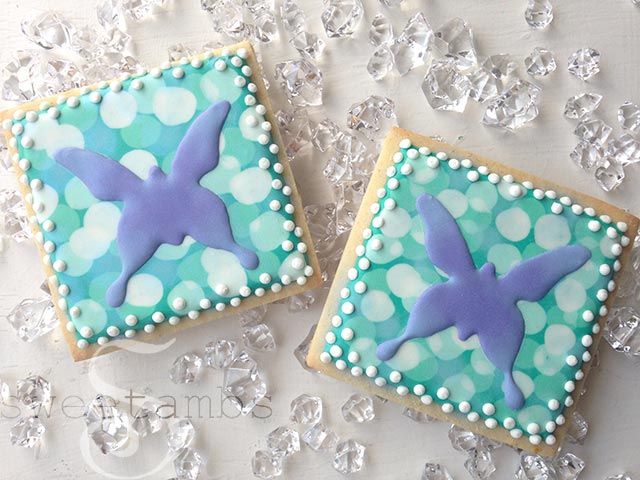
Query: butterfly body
[[163, 208], [477, 301]]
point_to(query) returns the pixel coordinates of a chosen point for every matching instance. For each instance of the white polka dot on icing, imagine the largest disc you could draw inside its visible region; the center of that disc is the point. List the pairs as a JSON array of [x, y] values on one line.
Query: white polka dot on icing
[[287, 245], [59, 265], [113, 331], [616, 249], [593, 225], [347, 308], [587, 340], [86, 332], [509, 423], [371, 371], [516, 433], [535, 439], [473, 417], [395, 376], [406, 169], [178, 303], [405, 143], [515, 191], [553, 404], [488, 409], [604, 269], [533, 428], [335, 351], [443, 393], [419, 390], [131, 320], [473, 176], [158, 317], [360, 287], [556, 208], [491, 423], [464, 407], [347, 334]]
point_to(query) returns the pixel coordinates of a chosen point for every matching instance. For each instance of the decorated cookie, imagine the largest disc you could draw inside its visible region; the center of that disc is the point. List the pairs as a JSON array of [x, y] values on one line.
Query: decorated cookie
[[161, 199], [472, 292]]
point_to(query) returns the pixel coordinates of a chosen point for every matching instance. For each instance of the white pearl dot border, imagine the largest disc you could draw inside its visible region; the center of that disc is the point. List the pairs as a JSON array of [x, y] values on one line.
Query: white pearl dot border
[[395, 173]]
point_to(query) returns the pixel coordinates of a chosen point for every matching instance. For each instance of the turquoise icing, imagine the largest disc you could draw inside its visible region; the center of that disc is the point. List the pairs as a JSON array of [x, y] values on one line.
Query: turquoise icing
[[140, 129], [499, 228]]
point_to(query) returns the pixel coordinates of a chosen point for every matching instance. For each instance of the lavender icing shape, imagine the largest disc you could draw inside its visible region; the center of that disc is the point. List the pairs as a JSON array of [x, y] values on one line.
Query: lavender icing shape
[[476, 301], [164, 208]]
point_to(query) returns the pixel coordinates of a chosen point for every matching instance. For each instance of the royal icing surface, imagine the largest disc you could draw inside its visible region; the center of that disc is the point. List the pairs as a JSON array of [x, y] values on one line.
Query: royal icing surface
[[159, 196], [476, 293]]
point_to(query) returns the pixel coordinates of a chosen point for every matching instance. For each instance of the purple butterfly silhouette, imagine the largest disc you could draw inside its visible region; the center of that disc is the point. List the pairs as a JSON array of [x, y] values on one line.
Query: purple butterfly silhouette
[[162, 208], [477, 302]]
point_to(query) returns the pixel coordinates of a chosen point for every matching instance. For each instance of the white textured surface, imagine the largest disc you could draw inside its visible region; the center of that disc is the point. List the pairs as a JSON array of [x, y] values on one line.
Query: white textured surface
[[397, 447]]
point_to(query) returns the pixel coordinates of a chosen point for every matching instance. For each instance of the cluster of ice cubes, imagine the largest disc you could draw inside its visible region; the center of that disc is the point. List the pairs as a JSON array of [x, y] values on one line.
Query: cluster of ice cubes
[[111, 428], [455, 70], [71, 55], [308, 428], [32, 397], [244, 381], [33, 318], [243, 19], [622, 328], [599, 150]]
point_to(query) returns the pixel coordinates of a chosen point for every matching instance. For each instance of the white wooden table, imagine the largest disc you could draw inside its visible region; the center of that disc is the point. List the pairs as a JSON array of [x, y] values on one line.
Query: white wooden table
[[397, 447]]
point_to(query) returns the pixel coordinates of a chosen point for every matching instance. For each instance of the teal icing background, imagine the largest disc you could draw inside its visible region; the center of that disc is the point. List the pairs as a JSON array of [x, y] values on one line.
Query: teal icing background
[[498, 228], [140, 128]]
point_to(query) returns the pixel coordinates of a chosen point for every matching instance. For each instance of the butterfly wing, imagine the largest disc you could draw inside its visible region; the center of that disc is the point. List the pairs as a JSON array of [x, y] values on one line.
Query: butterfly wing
[[106, 179], [532, 279], [443, 240], [199, 150]]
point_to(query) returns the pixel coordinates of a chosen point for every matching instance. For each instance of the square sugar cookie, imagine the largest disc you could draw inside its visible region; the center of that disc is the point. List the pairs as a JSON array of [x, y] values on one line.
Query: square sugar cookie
[[472, 292], [161, 201]]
